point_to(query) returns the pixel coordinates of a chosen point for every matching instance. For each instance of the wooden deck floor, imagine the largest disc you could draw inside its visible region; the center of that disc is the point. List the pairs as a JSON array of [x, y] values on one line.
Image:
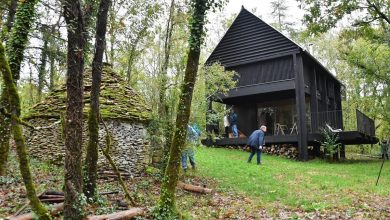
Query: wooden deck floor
[[346, 137]]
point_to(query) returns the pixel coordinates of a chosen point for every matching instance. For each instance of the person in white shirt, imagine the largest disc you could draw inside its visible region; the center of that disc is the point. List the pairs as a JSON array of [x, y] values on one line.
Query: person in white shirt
[[226, 123]]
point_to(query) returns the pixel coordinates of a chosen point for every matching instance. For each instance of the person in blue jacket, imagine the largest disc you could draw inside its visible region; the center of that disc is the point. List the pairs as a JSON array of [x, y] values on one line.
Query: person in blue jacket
[[256, 142], [193, 134]]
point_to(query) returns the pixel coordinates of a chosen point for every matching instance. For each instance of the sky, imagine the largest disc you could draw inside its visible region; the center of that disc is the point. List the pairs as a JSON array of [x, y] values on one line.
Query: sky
[[263, 8]]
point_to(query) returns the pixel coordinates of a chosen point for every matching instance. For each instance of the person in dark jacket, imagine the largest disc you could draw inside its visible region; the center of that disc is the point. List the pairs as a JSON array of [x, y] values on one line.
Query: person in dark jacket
[[233, 119], [256, 142], [384, 150]]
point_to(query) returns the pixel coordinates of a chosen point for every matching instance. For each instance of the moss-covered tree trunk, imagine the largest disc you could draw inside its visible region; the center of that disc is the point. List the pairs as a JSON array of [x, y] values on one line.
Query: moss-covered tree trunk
[[93, 118], [17, 132], [74, 111], [23, 26], [167, 205], [17, 40], [10, 19], [5, 132]]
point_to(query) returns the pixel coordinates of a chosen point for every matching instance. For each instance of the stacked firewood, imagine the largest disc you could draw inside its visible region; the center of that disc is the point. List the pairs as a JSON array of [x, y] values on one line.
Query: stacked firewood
[[110, 174], [284, 150]]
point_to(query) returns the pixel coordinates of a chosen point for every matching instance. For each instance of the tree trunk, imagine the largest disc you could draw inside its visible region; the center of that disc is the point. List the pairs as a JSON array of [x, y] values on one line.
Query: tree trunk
[[74, 112], [42, 67], [93, 119], [5, 131], [166, 123], [167, 205], [162, 108], [16, 129], [10, 19], [25, 15]]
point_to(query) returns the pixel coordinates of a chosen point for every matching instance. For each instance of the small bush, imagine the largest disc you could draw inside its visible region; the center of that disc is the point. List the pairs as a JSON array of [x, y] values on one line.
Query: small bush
[[330, 145]]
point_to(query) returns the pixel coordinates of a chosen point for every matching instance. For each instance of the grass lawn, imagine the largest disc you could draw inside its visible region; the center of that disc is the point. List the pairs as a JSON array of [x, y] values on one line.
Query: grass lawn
[[279, 189], [310, 186]]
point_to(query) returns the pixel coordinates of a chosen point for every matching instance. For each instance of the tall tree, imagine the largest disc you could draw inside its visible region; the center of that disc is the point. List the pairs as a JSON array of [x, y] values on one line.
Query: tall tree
[[44, 54], [74, 112], [279, 12], [164, 67], [165, 122], [93, 118], [17, 132], [16, 45], [166, 208]]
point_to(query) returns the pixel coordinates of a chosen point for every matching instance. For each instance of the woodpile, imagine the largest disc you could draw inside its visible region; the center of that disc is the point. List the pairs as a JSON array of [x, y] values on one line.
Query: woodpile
[[284, 150], [110, 174]]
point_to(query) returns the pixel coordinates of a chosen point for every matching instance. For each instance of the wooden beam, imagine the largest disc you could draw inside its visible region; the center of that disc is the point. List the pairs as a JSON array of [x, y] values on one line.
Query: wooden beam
[[260, 88], [301, 107], [314, 101]]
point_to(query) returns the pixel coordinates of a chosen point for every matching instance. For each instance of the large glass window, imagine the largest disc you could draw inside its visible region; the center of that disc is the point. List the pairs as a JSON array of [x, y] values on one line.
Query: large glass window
[[280, 117]]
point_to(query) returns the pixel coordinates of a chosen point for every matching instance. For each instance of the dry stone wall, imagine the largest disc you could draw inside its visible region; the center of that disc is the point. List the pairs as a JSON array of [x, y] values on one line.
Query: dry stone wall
[[130, 150]]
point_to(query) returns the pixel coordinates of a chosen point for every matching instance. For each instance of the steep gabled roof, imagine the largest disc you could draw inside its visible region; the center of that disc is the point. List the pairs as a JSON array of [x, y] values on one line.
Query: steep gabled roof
[[249, 39], [117, 100]]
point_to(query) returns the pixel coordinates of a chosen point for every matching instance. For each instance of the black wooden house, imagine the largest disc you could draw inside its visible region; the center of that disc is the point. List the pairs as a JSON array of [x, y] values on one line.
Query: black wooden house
[[283, 87]]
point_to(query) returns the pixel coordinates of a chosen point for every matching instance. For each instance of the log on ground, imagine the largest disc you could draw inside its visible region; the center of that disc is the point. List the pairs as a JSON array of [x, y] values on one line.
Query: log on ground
[[193, 188], [128, 214]]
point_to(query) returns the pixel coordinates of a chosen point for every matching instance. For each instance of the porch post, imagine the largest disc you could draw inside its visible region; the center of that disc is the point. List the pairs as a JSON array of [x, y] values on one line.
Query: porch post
[[342, 152], [314, 102], [301, 107]]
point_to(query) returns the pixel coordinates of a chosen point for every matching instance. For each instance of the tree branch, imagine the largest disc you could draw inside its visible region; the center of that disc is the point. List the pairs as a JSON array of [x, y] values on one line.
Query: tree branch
[[377, 10]]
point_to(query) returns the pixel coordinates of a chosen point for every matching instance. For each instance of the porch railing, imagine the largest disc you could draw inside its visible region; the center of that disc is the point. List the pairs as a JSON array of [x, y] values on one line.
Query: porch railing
[[320, 119], [365, 124], [337, 120]]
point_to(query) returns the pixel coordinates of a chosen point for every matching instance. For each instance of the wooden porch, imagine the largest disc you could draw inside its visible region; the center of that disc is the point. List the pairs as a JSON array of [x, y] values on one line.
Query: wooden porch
[[345, 137]]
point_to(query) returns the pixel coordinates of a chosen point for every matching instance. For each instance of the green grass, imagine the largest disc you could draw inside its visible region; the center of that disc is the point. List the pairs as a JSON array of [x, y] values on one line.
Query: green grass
[[312, 186]]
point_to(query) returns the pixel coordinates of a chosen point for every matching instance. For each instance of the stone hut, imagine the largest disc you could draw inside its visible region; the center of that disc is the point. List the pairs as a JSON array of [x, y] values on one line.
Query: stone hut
[[123, 110]]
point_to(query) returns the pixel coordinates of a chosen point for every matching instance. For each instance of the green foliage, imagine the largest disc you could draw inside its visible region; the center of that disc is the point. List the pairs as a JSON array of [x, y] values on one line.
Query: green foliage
[[80, 203], [212, 82], [197, 20], [330, 144], [366, 52], [25, 15], [320, 16]]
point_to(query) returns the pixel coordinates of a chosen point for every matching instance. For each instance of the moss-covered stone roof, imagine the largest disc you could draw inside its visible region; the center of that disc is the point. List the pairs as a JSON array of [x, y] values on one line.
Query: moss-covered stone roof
[[117, 100]]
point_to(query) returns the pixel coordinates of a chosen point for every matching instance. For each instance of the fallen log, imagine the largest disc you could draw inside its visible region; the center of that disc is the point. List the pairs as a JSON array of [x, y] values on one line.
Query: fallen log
[[53, 200], [50, 196], [192, 188], [52, 192], [128, 214], [55, 209], [113, 173], [108, 193]]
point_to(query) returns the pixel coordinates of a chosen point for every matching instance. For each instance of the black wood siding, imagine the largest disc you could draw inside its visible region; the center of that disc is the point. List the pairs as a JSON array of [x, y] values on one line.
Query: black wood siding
[[249, 39], [265, 71]]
